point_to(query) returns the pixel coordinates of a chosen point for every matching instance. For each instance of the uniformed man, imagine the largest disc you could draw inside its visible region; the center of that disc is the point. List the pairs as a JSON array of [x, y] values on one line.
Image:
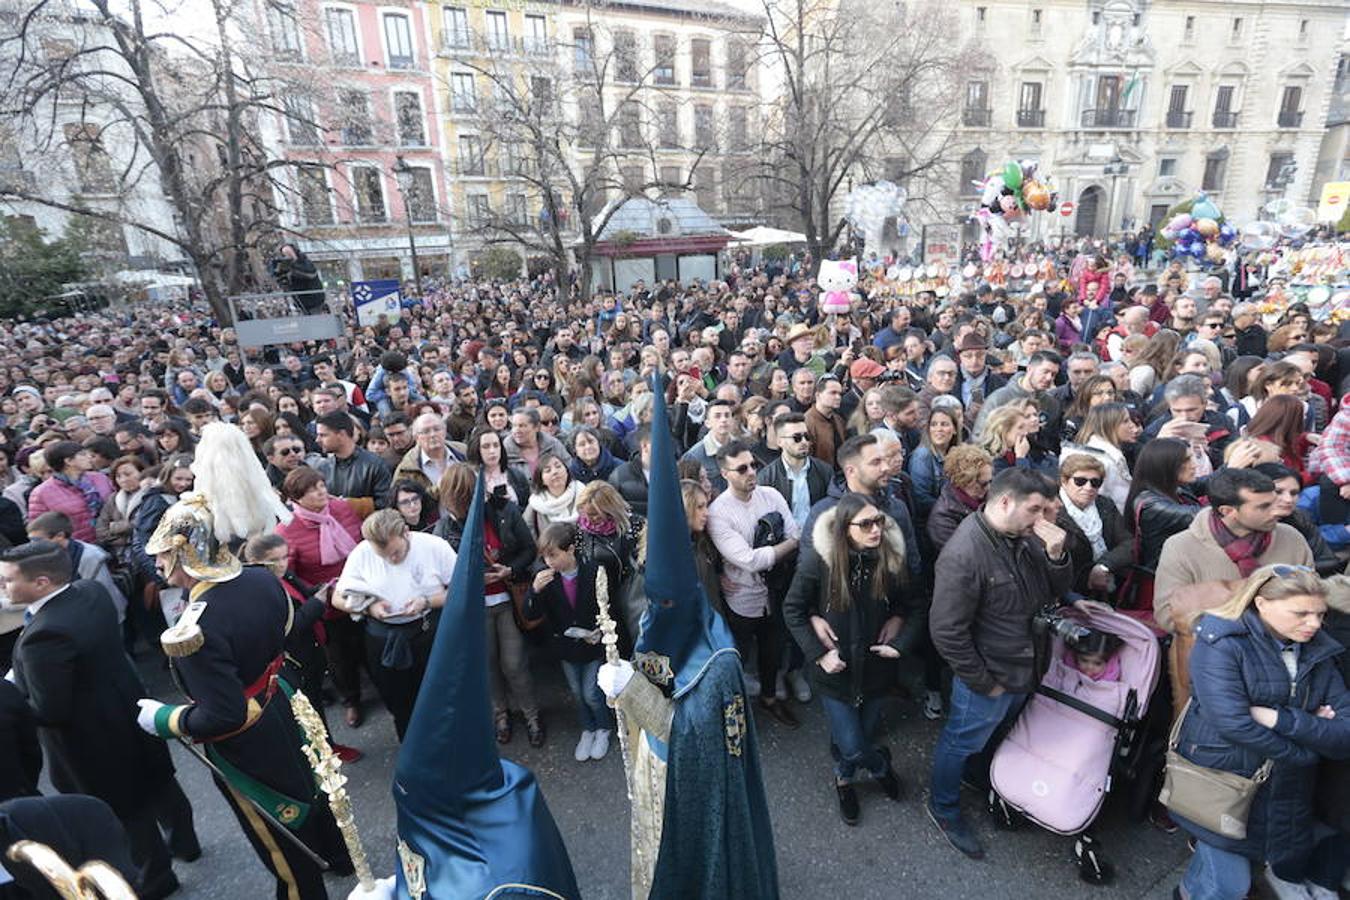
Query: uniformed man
[[238, 708]]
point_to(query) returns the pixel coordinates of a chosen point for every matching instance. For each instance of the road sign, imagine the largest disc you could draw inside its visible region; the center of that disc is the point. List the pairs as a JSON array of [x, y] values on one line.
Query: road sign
[[1066, 208]]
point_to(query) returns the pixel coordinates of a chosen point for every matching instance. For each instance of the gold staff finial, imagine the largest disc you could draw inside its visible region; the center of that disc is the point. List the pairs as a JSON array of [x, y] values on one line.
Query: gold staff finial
[[328, 772], [95, 880]]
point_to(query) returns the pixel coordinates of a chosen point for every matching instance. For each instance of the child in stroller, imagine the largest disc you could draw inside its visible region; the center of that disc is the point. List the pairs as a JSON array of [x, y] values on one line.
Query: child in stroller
[[1083, 723]]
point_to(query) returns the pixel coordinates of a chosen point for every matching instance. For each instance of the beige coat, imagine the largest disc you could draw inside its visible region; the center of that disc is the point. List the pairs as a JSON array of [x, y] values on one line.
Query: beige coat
[[1195, 574]]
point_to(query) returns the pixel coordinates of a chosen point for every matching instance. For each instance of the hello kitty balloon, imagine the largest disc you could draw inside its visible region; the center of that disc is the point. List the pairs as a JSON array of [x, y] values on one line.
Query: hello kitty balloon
[[837, 278]]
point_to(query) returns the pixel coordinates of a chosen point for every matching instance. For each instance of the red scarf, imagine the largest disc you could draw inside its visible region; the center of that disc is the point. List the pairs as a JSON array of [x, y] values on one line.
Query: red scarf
[[1245, 552]]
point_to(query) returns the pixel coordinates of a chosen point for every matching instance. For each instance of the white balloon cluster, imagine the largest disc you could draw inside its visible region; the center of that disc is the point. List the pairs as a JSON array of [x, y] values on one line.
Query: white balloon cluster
[[1292, 221], [870, 205]]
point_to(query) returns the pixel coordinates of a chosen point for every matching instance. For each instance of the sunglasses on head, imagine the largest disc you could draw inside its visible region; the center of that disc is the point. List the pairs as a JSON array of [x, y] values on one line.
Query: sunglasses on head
[[1082, 480]]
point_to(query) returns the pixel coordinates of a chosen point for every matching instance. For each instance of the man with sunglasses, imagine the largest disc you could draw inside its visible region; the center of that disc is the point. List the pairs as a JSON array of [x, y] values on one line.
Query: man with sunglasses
[[733, 519], [284, 455]]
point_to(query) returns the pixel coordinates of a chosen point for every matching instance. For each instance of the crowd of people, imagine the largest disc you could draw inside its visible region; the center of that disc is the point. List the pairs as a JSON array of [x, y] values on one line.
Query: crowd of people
[[919, 480]]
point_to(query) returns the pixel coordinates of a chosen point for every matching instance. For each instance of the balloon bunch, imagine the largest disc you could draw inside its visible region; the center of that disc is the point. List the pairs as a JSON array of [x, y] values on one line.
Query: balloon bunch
[[868, 206], [1292, 220], [1008, 194], [1015, 189], [1195, 229]]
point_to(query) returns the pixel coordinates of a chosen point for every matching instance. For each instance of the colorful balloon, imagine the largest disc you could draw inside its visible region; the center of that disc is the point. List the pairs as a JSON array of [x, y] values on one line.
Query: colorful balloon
[[1012, 175], [1203, 208], [1036, 195], [1208, 228]]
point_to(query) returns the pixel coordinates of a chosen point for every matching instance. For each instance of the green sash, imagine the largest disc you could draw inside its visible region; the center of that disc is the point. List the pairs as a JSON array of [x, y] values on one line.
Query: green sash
[[287, 810]]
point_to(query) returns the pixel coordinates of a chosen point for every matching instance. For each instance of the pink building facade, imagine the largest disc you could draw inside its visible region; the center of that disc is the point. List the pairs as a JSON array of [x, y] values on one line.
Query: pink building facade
[[359, 104]]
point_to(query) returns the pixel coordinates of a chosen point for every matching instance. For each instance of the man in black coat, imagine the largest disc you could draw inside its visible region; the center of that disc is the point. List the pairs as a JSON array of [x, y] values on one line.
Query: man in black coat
[[70, 666], [630, 479], [801, 478]]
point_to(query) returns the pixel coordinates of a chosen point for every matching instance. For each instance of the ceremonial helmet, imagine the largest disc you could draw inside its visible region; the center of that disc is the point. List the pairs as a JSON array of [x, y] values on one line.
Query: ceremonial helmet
[[187, 531]]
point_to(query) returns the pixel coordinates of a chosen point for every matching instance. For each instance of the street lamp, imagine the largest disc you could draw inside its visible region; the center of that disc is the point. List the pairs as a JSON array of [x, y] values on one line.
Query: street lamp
[[404, 173]]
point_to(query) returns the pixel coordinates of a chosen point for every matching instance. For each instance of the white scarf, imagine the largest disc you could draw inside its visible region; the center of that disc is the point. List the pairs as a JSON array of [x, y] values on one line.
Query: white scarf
[[1089, 520], [562, 508]]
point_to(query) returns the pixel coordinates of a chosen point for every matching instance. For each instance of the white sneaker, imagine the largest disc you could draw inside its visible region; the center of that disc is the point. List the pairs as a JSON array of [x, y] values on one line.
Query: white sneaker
[[751, 685], [1317, 892], [1285, 890], [801, 688], [780, 686], [600, 746], [585, 744]]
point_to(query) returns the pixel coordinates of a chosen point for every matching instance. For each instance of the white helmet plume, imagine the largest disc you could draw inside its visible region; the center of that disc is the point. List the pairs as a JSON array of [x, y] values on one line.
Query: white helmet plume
[[242, 501]]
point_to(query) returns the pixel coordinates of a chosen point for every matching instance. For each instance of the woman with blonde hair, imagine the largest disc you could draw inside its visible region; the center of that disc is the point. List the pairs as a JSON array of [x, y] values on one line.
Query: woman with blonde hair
[[869, 413], [1108, 431], [1266, 697], [1007, 438]]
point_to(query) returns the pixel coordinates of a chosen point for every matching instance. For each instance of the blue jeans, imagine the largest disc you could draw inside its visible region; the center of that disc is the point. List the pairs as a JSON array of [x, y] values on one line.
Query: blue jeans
[[594, 711], [973, 719], [1216, 874], [851, 731]]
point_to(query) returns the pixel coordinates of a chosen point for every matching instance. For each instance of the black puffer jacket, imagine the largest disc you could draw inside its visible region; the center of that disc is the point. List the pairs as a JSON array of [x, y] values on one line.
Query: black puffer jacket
[[518, 550], [858, 626], [630, 481], [987, 589]]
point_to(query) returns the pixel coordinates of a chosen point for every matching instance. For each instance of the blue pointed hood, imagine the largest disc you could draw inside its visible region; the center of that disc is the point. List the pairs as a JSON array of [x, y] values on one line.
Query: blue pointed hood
[[469, 823], [680, 629]]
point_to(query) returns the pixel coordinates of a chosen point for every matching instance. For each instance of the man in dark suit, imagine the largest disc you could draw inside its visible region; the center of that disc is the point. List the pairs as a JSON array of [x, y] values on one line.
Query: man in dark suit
[[70, 666]]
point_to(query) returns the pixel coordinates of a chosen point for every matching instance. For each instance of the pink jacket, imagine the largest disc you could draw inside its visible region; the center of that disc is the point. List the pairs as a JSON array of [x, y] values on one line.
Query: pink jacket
[[57, 496], [1092, 276]]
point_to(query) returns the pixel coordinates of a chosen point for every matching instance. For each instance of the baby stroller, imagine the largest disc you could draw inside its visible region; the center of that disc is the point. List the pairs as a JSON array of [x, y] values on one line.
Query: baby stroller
[[1057, 762]]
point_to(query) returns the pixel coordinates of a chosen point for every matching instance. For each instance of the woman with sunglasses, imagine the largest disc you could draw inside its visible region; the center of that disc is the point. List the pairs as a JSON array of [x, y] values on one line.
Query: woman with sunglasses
[[1266, 693], [1098, 542], [1094, 391], [849, 611]]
